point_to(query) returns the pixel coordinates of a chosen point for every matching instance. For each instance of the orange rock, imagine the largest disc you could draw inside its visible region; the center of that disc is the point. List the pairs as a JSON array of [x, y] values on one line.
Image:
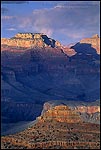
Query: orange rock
[[61, 113], [88, 109]]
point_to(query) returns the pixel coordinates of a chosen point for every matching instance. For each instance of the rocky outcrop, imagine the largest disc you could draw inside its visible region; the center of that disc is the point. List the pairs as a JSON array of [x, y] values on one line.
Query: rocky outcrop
[[57, 44], [94, 41], [88, 109], [24, 36], [87, 112], [79, 106], [15, 42], [61, 113], [30, 40], [69, 51]]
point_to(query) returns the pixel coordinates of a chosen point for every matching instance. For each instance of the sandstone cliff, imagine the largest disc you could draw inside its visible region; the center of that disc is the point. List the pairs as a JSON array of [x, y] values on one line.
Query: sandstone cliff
[[61, 113], [87, 112]]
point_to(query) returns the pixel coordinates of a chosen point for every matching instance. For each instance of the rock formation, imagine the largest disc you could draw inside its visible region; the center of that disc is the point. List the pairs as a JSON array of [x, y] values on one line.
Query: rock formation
[[64, 130], [88, 112], [88, 109], [24, 36], [69, 51], [94, 41], [30, 40], [61, 113]]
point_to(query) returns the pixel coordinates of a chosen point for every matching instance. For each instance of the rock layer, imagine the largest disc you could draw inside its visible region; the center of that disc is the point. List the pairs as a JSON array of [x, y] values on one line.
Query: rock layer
[[61, 113], [30, 40], [87, 112]]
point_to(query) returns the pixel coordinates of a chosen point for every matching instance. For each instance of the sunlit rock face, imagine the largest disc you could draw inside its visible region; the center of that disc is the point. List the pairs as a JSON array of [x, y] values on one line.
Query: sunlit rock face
[[62, 114], [94, 41], [71, 111], [88, 109], [69, 51], [30, 40]]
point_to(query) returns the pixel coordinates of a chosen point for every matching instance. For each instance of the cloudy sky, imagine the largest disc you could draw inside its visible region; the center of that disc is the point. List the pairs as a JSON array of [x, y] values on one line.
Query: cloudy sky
[[65, 21]]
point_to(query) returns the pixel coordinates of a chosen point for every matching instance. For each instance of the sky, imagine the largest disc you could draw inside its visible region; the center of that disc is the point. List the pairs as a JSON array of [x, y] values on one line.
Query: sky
[[65, 21]]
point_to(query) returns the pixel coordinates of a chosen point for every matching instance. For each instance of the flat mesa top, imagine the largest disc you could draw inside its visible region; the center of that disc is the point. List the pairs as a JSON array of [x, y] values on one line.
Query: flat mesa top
[[28, 35]]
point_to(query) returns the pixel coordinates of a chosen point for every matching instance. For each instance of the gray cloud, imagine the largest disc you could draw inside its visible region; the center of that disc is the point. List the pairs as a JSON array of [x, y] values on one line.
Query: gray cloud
[[63, 18]]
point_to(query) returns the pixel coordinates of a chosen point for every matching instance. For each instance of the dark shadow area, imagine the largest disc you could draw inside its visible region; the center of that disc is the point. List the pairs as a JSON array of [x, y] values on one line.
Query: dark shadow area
[[48, 41], [85, 49], [13, 112]]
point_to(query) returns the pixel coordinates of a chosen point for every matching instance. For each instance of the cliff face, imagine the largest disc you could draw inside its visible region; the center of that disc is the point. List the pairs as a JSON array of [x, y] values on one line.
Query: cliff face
[[62, 114], [57, 128], [69, 51], [94, 41], [85, 112], [88, 109], [79, 108], [30, 40]]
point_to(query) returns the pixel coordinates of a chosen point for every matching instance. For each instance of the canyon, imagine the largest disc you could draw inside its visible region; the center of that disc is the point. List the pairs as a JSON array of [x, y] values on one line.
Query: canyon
[[58, 128], [34, 74], [50, 93]]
